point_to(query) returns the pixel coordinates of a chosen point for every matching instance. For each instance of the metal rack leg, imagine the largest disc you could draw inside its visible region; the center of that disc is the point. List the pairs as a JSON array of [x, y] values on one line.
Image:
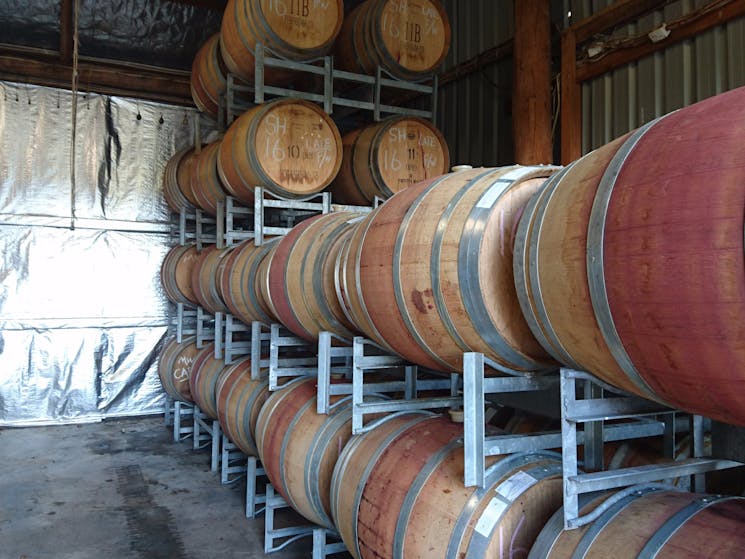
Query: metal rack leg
[[568, 448]]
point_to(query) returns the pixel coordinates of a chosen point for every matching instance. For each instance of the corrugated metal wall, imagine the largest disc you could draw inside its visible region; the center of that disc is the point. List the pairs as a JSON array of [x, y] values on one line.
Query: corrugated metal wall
[[626, 98], [474, 112]]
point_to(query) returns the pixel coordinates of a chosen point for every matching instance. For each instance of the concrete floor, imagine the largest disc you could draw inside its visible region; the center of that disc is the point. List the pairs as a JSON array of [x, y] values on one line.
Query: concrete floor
[[120, 489]]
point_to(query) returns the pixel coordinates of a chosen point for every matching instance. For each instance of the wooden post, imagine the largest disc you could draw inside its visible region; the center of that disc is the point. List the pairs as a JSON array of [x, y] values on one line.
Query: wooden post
[[571, 100], [531, 114], [65, 31]]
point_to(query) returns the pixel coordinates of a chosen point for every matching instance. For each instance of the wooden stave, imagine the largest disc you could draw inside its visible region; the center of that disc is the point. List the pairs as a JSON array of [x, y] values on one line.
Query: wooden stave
[[361, 47], [176, 360], [179, 262], [679, 339], [204, 278], [238, 47], [241, 268], [203, 380], [208, 77], [385, 481], [240, 172], [206, 185], [184, 173], [591, 331], [239, 401], [420, 334], [304, 455], [299, 288], [172, 192], [654, 507], [360, 178]]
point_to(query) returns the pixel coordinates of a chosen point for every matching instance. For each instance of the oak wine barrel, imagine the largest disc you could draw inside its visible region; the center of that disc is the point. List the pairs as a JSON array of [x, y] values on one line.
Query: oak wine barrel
[[175, 274], [290, 147], [299, 447], [397, 492], [239, 282], [409, 40], [651, 521], [175, 364], [177, 181], [208, 77], [204, 279], [203, 380], [429, 273], [630, 263], [293, 29], [206, 186], [388, 156], [302, 276], [239, 401]]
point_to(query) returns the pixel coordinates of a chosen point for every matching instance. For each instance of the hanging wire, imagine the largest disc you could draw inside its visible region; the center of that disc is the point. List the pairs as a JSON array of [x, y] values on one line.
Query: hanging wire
[[75, 45]]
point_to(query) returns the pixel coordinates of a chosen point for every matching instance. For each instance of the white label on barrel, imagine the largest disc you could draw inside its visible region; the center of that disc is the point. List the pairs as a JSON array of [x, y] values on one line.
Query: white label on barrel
[[491, 515], [516, 485], [489, 197]]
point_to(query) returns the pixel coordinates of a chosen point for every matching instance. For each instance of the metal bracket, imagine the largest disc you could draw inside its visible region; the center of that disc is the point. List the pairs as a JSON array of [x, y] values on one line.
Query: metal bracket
[[276, 539], [596, 407], [207, 433]]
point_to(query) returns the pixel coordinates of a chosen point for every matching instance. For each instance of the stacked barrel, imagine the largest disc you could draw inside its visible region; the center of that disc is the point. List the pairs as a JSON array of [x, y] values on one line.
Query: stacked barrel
[[290, 147], [628, 263]]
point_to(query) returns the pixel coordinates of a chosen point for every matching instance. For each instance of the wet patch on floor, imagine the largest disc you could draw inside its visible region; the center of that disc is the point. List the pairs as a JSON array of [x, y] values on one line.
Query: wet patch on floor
[[152, 528]]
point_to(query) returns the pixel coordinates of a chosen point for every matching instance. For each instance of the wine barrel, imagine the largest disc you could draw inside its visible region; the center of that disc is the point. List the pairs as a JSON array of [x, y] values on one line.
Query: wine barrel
[[204, 279], [205, 182], [175, 274], [203, 380], [302, 276], [290, 147], [386, 157], [295, 29], [239, 400], [650, 522], [633, 262], [208, 77], [299, 447], [409, 40], [239, 283], [262, 281], [177, 181], [429, 273], [175, 367], [397, 491]]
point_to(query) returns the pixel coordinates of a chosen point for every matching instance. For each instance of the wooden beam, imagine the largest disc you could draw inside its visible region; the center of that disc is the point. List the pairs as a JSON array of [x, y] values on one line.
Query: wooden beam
[[476, 63], [98, 76], [689, 26], [65, 31], [531, 84], [215, 5], [618, 13], [571, 100]]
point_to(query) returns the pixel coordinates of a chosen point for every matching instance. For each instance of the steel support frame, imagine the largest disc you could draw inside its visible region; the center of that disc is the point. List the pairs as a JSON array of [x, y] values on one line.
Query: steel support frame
[[182, 428], [476, 446], [276, 539], [324, 67], [595, 407], [207, 433]]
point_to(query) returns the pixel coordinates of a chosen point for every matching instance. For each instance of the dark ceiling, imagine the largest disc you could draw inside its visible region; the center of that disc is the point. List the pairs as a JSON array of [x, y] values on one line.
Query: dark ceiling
[[140, 48]]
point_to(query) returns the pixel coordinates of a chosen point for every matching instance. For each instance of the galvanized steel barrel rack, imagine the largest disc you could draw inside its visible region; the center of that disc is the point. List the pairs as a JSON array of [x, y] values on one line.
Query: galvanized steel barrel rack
[[591, 410], [276, 539], [365, 356], [372, 86], [195, 226]]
